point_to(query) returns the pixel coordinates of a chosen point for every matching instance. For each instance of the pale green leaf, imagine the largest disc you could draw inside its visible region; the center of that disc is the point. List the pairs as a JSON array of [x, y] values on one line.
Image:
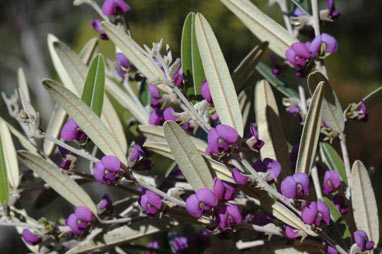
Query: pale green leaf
[[333, 160], [89, 50], [216, 70], [56, 121], [86, 119], [61, 183], [4, 185], [310, 132], [10, 157], [365, 210], [189, 160], [262, 26], [332, 112], [23, 85], [270, 128]]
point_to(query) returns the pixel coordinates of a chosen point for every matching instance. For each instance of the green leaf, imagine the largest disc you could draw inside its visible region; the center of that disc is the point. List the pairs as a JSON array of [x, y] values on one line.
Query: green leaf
[[192, 67], [270, 128], [94, 88], [333, 160], [262, 26], [9, 156], [89, 50], [85, 118], [310, 132], [223, 90], [365, 210], [141, 59], [276, 82], [339, 226], [247, 66], [56, 121], [331, 107], [23, 85], [189, 160], [4, 186], [372, 99], [61, 183]]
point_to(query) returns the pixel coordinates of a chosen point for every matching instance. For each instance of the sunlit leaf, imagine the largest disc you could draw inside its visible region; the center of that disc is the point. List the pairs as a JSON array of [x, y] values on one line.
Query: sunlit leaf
[[333, 160], [23, 85], [9, 156], [4, 186], [89, 50]]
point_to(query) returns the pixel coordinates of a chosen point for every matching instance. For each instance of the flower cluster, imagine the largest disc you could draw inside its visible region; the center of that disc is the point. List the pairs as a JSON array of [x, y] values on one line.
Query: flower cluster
[[107, 170], [80, 220], [296, 186], [315, 213]]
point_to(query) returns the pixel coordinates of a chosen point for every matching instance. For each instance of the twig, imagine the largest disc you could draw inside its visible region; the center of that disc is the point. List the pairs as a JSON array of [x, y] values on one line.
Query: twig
[[268, 229], [345, 157], [20, 224]]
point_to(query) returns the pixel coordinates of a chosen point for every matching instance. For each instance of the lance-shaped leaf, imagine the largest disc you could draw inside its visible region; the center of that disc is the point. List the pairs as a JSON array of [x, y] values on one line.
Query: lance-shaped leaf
[[124, 234], [372, 99], [94, 88], [276, 82], [190, 162], [247, 66], [89, 50], [270, 128], [333, 160], [4, 186], [56, 121], [331, 107], [192, 67], [339, 227], [365, 210], [223, 90], [262, 26], [133, 51], [23, 85], [310, 132], [85, 118], [76, 69], [9, 156], [61, 183]]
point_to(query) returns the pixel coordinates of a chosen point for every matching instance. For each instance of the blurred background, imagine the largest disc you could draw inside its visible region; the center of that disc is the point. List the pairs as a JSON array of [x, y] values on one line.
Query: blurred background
[[355, 70]]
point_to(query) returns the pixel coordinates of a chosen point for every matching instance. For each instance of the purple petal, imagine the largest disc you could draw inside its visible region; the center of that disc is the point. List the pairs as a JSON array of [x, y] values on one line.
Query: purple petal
[[207, 197], [70, 131], [106, 203], [99, 172], [331, 181], [193, 206], [154, 92], [369, 245], [360, 237], [331, 43], [213, 140], [178, 78], [154, 199], [111, 163], [115, 7], [290, 232], [301, 50], [180, 244], [96, 24], [168, 114], [218, 188], [229, 191], [302, 181], [330, 249], [156, 117], [288, 187], [30, 238], [309, 213], [273, 167], [239, 178], [323, 208], [137, 153], [253, 131], [122, 64], [227, 133], [72, 223], [83, 213], [291, 56], [234, 212], [205, 91]]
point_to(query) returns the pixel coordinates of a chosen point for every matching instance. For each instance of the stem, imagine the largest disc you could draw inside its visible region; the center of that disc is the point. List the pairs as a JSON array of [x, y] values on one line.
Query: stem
[[284, 10], [316, 182], [115, 221], [268, 229], [345, 157], [247, 245], [20, 224]]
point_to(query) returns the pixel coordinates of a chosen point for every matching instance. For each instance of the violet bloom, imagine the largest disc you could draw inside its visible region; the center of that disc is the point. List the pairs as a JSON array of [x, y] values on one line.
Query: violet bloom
[[298, 54], [96, 24], [201, 201], [123, 64], [150, 202], [106, 204], [169, 114], [220, 138], [137, 153], [254, 142], [223, 190], [139, 160], [205, 91], [295, 186], [271, 167], [315, 213], [238, 177], [331, 181], [362, 240], [361, 110], [68, 159], [332, 10], [80, 220], [107, 170], [294, 110], [180, 244], [340, 203], [178, 78], [153, 245], [290, 232], [72, 132], [330, 249], [115, 7], [228, 216], [30, 237], [323, 43], [156, 117], [154, 91]]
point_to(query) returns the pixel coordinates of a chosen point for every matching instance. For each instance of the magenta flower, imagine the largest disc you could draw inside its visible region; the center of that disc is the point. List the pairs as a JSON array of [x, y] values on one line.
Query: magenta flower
[[331, 181], [72, 132], [295, 186], [223, 190], [139, 160], [340, 203], [153, 245], [330, 249], [315, 213], [323, 43], [106, 204], [228, 216], [115, 7], [123, 64], [80, 220], [238, 177], [96, 24], [30, 237], [201, 201], [298, 54], [169, 114], [178, 78], [271, 167], [220, 138], [107, 170], [361, 112], [332, 10], [150, 202], [156, 117], [154, 92], [205, 91], [290, 232], [362, 240], [137, 153], [180, 244], [254, 142], [68, 159]]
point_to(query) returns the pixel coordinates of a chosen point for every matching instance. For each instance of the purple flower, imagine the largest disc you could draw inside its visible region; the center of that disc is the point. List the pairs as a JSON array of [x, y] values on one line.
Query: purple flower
[[107, 170], [332, 10], [361, 110], [30, 237], [180, 244], [72, 131], [68, 159], [178, 78], [202, 201], [323, 43], [223, 190], [298, 12], [340, 203], [331, 181], [150, 202], [153, 245], [362, 240], [294, 110], [220, 138], [295, 186], [228, 216], [238, 177], [80, 220], [156, 117], [330, 249], [137, 153], [168, 114], [154, 92], [298, 54], [123, 63], [96, 24], [205, 91], [315, 213], [106, 203], [290, 232], [115, 7], [271, 167], [254, 142]]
